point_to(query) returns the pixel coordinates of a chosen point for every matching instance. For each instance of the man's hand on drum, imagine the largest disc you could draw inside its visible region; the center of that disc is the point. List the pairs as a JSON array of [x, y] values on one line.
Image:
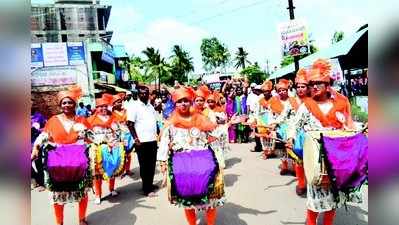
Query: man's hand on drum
[[290, 143]]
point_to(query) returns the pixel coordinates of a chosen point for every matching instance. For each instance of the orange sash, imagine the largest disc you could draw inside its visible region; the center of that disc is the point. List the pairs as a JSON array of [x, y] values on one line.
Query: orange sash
[[57, 132], [330, 120], [277, 106], [197, 120], [119, 117], [94, 121]]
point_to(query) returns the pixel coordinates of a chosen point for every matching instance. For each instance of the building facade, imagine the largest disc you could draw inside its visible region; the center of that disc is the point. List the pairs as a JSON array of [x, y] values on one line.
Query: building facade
[[70, 21]]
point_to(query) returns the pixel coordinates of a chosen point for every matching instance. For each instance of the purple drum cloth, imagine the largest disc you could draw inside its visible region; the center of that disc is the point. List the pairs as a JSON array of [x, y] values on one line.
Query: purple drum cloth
[[192, 172], [67, 163], [348, 157]]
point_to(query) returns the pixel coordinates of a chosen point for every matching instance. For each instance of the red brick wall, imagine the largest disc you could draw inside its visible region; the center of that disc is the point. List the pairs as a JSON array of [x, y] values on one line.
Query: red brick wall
[[45, 103]]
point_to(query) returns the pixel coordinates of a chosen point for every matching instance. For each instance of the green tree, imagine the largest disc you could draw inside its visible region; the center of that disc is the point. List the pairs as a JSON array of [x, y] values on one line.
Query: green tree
[[254, 74], [241, 58], [337, 37], [156, 68], [181, 64], [214, 53]]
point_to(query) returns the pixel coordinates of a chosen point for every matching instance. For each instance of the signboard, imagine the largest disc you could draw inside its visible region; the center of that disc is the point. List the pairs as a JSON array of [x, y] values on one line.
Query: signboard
[[54, 76], [76, 53], [36, 55], [294, 38], [108, 55], [55, 54]]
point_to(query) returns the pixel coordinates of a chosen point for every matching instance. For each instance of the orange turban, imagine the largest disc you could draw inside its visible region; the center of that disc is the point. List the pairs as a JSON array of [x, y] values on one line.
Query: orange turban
[[106, 99], [183, 92], [215, 96], [118, 97], [203, 92], [267, 86], [301, 77], [320, 71], [282, 84], [73, 92]]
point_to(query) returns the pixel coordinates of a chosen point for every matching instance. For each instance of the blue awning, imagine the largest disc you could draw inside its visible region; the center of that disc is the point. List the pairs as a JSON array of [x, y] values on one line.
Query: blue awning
[[336, 50]]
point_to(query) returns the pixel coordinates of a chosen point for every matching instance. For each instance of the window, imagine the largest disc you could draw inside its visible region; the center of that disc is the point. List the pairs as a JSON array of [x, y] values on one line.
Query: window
[[64, 38]]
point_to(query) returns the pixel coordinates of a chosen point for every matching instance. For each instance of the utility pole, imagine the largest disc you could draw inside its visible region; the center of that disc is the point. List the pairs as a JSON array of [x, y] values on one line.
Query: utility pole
[[291, 8]]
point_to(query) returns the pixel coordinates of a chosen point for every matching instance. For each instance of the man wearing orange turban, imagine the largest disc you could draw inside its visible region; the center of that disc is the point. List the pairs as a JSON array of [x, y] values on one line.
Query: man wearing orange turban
[[283, 108], [325, 110]]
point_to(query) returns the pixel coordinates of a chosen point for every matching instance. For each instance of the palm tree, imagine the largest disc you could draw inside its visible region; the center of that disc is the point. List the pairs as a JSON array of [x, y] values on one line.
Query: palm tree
[[241, 58], [155, 65], [182, 63]]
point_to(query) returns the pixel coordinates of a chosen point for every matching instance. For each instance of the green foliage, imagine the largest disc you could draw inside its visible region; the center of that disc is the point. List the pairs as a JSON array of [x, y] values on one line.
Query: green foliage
[[338, 36], [155, 66], [357, 113], [254, 74], [241, 58], [181, 64], [214, 53]]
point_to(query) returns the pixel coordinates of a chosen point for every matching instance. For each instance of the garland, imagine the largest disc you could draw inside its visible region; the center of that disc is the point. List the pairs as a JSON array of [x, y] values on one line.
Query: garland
[[177, 199]]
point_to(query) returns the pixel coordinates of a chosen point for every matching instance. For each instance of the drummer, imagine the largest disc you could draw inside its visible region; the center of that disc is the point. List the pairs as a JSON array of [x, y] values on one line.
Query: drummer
[[65, 128], [101, 124], [324, 111], [283, 109], [187, 129], [262, 120], [120, 117], [302, 92]]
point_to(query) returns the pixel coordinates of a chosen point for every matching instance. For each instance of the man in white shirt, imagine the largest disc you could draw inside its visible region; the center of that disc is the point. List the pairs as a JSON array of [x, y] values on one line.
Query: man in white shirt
[[142, 125]]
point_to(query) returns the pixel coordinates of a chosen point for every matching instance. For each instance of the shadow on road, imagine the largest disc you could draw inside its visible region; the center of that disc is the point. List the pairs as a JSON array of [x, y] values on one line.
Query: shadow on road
[[229, 214], [280, 185], [230, 179], [232, 161], [353, 215], [129, 197]]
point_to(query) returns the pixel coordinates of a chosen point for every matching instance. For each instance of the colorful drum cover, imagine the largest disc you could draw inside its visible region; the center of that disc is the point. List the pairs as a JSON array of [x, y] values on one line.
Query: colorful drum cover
[[313, 162], [348, 160], [128, 141], [67, 167], [193, 174], [298, 143], [110, 161]]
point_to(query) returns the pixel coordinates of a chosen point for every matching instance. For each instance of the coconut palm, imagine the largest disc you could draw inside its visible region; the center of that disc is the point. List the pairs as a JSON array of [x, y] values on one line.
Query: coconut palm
[[241, 58], [156, 68], [182, 64]]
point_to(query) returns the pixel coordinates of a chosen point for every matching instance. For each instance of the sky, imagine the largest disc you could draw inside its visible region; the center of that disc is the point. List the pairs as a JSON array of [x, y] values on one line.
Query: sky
[[251, 24]]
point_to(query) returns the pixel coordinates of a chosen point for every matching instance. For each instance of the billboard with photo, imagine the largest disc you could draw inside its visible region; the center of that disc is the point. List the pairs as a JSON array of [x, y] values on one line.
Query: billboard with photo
[[294, 38]]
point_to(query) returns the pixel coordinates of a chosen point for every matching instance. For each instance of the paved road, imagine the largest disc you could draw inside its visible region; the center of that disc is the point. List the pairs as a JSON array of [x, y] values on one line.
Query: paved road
[[256, 195]]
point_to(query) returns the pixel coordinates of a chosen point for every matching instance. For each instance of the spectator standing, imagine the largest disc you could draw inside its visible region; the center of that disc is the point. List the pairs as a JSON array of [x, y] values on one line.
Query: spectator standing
[[82, 110]]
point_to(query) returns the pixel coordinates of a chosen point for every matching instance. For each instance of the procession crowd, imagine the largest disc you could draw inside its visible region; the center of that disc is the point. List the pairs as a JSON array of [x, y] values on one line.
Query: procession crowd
[[187, 130]]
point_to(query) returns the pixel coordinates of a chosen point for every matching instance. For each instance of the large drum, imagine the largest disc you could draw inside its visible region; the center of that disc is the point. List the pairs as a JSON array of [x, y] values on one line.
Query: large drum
[[108, 161], [314, 154], [347, 160], [67, 167], [193, 175]]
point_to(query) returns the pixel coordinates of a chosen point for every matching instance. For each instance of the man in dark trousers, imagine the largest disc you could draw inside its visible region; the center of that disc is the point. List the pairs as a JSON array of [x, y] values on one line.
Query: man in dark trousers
[[141, 120]]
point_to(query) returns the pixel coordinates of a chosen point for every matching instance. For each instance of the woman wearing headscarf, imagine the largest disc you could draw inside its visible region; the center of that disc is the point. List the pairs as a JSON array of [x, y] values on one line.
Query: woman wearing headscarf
[[195, 179], [107, 145], [66, 132], [322, 112]]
